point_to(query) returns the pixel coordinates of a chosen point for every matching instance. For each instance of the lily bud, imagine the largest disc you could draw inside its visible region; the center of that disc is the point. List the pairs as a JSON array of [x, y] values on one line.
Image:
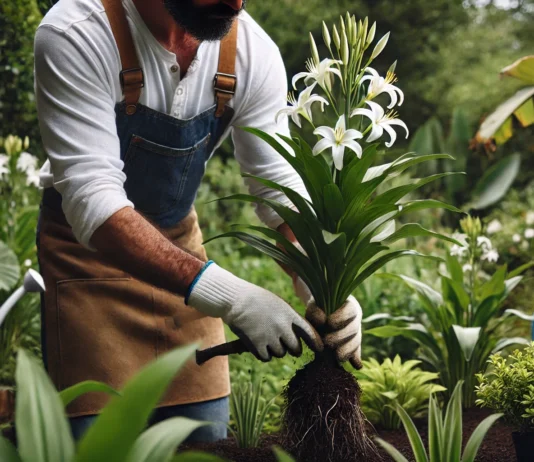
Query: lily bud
[[314, 51], [371, 35], [337, 40], [348, 22], [26, 142], [355, 31], [392, 68], [345, 48], [380, 46], [326, 35]]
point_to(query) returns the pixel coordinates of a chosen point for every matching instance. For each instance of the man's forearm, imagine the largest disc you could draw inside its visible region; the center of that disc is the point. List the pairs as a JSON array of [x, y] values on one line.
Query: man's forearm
[[144, 252]]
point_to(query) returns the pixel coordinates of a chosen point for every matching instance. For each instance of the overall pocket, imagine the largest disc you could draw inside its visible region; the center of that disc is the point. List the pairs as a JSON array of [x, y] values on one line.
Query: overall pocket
[[156, 175]]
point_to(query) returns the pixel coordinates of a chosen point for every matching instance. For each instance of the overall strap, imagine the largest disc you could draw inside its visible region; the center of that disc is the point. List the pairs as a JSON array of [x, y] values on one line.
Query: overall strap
[[225, 80], [131, 76]]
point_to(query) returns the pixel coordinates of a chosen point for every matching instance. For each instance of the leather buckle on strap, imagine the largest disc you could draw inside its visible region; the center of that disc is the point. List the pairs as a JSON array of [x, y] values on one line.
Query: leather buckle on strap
[[132, 78], [225, 83]]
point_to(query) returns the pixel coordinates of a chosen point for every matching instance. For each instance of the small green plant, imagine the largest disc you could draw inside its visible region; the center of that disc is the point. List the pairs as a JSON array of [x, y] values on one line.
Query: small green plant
[[458, 330], [43, 432], [394, 382], [444, 433], [249, 410], [508, 387]]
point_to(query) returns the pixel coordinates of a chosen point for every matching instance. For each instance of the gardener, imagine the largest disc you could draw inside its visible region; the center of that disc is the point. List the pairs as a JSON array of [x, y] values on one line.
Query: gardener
[[133, 99]]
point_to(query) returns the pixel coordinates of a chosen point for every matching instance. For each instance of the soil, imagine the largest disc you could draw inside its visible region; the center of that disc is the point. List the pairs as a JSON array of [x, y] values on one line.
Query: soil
[[497, 446]]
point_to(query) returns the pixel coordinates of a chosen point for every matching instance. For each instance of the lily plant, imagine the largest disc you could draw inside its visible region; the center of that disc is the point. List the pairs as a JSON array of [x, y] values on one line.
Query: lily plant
[[345, 225]]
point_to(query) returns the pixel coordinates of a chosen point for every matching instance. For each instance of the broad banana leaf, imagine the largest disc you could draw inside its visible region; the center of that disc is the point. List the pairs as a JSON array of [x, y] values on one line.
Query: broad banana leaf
[[498, 127], [522, 69]]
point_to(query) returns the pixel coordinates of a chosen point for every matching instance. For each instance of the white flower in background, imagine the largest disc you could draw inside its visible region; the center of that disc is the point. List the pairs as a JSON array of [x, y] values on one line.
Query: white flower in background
[[516, 238], [529, 233], [32, 177], [4, 160], [494, 226], [26, 162], [379, 85], [524, 245], [319, 73], [530, 218], [338, 139], [457, 250], [27, 262], [484, 243], [380, 121], [302, 107], [467, 267], [490, 255]]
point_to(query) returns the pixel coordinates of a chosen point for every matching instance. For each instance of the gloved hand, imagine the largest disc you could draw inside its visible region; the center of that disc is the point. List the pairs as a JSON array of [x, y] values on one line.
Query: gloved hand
[[267, 325], [345, 323]]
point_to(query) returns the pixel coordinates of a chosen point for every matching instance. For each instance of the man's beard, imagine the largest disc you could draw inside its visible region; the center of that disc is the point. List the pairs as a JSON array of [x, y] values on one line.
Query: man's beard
[[204, 23]]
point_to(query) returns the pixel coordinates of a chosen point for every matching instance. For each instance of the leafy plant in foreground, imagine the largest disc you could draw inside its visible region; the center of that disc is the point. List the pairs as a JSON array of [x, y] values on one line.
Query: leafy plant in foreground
[[248, 410], [43, 431], [444, 433], [508, 387], [458, 331], [394, 382]]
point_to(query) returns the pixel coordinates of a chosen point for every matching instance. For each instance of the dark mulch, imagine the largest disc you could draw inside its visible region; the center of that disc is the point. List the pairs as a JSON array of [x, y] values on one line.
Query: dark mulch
[[496, 447]]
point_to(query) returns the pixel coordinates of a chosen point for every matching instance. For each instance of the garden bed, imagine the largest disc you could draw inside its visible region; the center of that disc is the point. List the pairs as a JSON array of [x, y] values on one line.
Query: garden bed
[[496, 447]]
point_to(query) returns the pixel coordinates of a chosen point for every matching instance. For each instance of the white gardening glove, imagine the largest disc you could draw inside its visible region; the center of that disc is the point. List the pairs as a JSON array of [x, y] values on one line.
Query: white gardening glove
[[264, 322], [346, 323]]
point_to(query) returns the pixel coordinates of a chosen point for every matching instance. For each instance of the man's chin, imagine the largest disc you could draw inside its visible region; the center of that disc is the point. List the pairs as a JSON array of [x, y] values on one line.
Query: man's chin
[[212, 29]]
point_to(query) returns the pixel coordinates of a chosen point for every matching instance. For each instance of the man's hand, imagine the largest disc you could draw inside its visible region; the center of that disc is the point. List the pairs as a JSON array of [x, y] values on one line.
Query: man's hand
[[346, 329], [266, 324]]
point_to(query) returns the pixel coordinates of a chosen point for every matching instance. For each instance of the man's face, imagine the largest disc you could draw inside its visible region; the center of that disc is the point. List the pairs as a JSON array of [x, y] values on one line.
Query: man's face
[[205, 19]]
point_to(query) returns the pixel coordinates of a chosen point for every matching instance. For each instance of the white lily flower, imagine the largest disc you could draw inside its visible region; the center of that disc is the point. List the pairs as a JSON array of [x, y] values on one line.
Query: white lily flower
[[490, 255], [338, 139], [494, 226], [484, 243], [381, 121], [516, 238], [530, 218], [319, 73], [26, 162], [32, 177], [529, 233], [302, 107], [459, 250], [4, 160], [379, 85], [467, 267]]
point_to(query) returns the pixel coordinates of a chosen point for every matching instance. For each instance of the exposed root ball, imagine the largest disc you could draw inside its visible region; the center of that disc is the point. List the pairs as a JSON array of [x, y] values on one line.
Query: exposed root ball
[[322, 420]]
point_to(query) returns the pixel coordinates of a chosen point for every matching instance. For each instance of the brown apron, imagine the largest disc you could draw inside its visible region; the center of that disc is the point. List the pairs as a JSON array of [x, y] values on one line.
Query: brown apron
[[102, 324]]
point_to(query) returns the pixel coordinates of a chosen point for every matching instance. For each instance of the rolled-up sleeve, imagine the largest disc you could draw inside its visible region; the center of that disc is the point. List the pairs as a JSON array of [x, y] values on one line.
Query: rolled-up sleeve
[[254, 155], [76, 113]]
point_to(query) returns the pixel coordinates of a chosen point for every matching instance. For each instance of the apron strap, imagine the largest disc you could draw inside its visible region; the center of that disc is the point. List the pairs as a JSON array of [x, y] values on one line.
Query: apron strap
[[225, 80], [131, 77]]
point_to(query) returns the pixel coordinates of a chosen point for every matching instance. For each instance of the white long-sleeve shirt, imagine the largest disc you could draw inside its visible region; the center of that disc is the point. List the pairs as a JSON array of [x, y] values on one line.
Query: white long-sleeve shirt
[[77, 85]]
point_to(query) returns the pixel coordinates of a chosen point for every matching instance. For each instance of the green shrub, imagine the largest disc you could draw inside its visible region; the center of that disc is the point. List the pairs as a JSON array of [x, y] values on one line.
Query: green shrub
[[394, 382], [508, 387]]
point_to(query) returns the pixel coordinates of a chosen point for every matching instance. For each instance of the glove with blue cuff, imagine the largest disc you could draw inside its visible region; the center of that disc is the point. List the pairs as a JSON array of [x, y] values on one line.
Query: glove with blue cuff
[[264, 322]]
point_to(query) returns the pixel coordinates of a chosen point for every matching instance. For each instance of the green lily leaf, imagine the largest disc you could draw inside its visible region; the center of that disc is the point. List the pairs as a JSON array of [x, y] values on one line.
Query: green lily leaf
[[8, 452], [333, 203], [496, 182], [9, 268], [159, 443], [506, 342], [113, 434], [473, 445], [520, 314], [416, 230], [197, 456], [281, 455], [43, 432], [70, 394], [468, 339], [432, 298], [391, 450]]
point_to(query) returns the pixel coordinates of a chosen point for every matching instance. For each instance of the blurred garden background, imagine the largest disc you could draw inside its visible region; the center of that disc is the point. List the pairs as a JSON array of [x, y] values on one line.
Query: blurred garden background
[[450, 54]]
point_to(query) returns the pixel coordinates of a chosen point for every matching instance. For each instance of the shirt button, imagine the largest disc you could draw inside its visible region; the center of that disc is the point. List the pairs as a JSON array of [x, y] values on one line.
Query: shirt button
[[180, 91], [174, 68]]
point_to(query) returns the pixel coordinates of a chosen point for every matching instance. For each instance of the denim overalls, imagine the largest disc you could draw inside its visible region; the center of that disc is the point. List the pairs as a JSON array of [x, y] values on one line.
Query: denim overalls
[[99, 323]]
